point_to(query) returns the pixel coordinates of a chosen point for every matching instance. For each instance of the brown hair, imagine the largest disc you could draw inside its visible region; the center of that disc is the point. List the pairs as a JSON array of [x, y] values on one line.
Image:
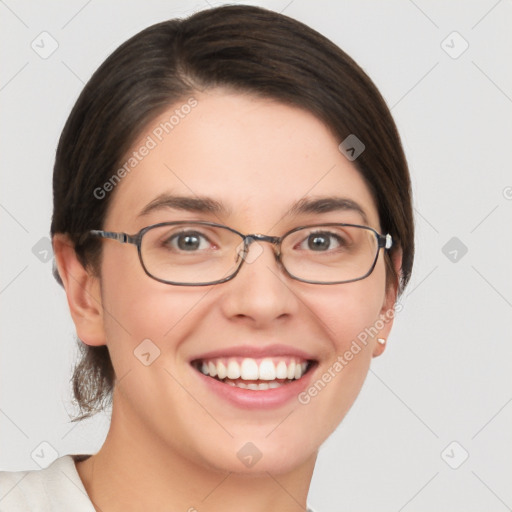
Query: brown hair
[[246, 49]]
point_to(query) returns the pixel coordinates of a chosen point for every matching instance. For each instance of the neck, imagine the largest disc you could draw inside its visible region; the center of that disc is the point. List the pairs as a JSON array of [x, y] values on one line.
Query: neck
[[135, 470]]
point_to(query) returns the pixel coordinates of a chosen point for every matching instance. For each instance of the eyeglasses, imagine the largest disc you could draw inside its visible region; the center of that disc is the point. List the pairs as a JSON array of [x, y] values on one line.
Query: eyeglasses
[[186, 253]]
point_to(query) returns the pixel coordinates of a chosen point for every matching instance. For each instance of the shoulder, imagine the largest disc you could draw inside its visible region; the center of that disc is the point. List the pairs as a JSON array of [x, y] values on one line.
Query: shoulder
[[55, 488]]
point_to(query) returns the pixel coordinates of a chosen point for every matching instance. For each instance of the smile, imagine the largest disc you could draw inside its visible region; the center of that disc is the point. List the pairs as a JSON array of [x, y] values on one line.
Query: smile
[[255, 374]]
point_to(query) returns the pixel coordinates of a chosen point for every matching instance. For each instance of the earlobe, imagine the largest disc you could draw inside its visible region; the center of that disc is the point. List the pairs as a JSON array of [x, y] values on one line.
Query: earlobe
[[387, 312], [82, 291]]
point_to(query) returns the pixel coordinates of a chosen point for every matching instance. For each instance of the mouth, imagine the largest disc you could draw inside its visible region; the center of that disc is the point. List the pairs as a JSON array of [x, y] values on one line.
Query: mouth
[[256, 374]]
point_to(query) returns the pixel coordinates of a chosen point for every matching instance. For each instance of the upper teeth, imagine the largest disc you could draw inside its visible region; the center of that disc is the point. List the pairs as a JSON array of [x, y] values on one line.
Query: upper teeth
[[254, 369]]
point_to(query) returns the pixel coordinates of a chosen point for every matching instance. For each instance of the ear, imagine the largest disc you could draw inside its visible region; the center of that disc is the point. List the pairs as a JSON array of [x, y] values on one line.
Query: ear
[[82, 290], [387, 312]]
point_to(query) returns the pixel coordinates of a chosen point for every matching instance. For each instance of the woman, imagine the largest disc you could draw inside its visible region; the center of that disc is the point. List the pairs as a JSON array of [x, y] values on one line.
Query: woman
[[232, 226]]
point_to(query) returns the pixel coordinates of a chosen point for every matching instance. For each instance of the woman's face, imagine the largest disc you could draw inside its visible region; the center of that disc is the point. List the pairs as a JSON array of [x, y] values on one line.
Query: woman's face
[[256, 159]]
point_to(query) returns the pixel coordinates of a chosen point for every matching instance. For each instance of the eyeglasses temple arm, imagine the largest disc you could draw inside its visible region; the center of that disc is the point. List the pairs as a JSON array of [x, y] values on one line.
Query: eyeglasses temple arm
[[120, 237], [386, 241]]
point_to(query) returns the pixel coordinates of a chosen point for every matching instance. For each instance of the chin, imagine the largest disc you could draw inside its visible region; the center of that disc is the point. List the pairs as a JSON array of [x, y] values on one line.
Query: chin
[[260, 456]]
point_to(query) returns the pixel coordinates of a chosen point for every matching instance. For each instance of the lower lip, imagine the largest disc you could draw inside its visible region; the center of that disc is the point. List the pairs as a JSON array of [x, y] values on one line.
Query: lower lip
[[257, 399]]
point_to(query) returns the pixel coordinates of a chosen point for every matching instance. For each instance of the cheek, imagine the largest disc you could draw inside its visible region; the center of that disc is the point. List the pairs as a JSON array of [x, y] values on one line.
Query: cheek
[[348, 310], [138, 308], [347, 313]]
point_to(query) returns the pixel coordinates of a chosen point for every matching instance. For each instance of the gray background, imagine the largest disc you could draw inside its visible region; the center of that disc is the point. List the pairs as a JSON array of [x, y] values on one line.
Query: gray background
[[446, 375]]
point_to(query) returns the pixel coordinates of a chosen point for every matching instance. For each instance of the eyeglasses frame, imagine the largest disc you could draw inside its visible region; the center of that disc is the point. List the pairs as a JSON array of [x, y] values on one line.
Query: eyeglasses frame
[[383, 242]]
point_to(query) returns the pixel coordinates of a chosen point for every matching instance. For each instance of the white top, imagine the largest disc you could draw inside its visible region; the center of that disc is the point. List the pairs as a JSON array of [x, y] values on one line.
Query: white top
[[57, 488]]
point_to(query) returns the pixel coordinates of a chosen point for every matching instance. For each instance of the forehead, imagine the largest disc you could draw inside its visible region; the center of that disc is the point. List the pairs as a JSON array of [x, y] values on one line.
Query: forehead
[[257, 157]]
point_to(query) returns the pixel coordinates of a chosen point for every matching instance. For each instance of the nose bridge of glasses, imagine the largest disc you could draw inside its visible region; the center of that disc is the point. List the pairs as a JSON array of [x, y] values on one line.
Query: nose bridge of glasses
[[261, 238], [257, 237]]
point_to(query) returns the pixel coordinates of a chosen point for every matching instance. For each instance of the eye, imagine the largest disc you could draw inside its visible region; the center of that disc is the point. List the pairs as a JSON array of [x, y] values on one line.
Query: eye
[[188, 241], [322, 241]]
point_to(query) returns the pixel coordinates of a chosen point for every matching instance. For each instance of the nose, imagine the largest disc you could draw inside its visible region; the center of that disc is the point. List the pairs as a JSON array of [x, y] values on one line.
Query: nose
[[259, 294]]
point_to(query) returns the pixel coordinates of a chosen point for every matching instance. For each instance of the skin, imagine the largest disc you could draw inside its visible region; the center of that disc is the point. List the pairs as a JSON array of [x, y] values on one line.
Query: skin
[[172, 444]]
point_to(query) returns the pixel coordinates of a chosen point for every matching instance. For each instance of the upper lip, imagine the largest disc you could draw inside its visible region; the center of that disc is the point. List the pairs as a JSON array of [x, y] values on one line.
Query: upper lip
[[255, 352]]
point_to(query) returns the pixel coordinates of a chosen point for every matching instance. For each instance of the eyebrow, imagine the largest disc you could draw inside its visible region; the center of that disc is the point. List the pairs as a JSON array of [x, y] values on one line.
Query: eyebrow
[[191, 204], [326, 205], [201, 204]]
